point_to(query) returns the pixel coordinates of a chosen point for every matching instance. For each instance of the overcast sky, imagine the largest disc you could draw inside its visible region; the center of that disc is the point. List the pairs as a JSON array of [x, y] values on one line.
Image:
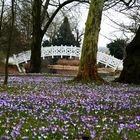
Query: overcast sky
[[109, 31]]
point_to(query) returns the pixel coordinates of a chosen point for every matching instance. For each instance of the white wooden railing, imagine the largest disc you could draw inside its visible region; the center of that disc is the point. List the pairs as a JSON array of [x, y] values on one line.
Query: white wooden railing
[[71, 51], [109, 61]]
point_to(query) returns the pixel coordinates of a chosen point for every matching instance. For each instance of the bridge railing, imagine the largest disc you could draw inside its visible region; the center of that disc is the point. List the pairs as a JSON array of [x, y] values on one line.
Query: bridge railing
[[70, 51], [61, 51], [109, 60]]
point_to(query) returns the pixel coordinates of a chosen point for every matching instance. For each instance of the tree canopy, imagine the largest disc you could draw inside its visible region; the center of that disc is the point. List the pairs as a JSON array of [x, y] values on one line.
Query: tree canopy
[[64, 35], [117, 48], [43, 12]]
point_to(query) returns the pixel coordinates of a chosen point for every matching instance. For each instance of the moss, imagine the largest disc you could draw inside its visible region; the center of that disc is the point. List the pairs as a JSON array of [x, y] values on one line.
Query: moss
[[88, 69]]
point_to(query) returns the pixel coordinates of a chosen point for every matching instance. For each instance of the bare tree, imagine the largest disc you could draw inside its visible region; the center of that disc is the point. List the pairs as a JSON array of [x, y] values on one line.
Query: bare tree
[[41, 19], [11, 34], [1, 15], [134, 16], [24, 21], [131, 63], [88, 69]]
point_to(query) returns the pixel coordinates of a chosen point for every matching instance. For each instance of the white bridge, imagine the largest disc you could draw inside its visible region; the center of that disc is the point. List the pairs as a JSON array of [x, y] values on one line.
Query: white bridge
[[71, 51]]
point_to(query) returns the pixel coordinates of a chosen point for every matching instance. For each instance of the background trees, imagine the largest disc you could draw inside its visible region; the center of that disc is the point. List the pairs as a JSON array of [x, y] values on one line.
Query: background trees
[[32, 19], [88, 70], [131, 62], [10, 39], [63, 32], [41, 19], [64, 35], [117, 48], [40, 16], [24, 23], [22, 26], [134, 16]]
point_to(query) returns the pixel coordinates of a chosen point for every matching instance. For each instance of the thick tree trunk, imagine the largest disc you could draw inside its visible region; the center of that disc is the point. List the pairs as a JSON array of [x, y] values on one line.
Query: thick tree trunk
[[131, 63], [88, 69], [35, 64], [37, 35]]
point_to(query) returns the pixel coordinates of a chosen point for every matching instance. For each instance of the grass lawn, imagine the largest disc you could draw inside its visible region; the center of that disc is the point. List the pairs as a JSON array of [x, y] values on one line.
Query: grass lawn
[[51, 108]]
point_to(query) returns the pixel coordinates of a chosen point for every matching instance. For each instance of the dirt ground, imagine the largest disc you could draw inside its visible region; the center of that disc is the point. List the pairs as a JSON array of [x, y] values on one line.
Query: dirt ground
[[63, 66], [66, 67], [12, 69]]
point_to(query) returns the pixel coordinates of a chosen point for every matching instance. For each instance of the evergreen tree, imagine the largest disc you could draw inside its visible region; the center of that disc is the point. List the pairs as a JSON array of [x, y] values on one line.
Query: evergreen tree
[[117, 48], [41, 20], [64, 36]]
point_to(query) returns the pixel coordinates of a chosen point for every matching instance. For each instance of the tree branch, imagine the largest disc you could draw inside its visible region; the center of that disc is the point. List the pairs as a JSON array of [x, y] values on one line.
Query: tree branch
[[58, 9], [129, 2], [45, 7]]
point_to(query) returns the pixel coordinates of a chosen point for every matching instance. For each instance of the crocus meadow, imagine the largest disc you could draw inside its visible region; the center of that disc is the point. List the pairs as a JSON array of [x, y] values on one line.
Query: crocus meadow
[[55, 108]]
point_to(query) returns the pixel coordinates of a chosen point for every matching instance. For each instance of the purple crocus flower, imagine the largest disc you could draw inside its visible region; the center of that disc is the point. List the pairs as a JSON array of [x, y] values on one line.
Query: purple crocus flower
[[92, 134]]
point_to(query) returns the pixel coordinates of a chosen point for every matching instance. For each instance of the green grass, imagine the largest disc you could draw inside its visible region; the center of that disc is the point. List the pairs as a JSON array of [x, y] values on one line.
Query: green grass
[[54, 107]]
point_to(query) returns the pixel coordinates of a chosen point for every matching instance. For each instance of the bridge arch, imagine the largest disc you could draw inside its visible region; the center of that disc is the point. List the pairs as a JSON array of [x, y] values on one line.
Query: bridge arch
[[71, 51]]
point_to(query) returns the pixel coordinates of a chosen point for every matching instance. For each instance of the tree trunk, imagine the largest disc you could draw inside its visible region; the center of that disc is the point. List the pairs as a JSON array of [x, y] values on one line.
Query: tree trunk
[[1, 16], [40, 27], [35, 64], [88, 69], [10, 41], [37, 35], [131, 63]]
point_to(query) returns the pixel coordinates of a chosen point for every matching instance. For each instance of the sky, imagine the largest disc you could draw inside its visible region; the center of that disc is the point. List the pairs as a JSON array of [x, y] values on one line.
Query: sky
[[109, 31]]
